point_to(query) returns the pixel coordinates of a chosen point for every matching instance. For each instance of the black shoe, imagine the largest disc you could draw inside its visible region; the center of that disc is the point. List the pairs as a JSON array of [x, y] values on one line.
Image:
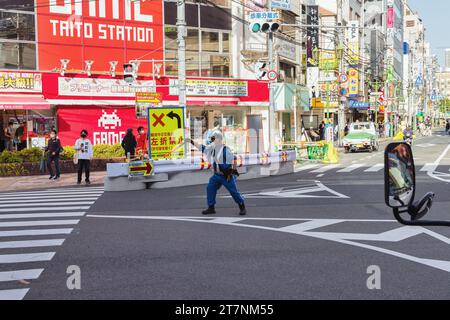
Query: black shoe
[[210, 210], [78, 182], [55, 178], [51, 178], [88, 182], [242, 210]]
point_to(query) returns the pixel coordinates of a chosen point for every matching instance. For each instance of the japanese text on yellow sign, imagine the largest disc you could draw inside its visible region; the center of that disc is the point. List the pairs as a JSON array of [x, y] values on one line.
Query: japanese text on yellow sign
[[166, 128], [20, 82], [353, 79]]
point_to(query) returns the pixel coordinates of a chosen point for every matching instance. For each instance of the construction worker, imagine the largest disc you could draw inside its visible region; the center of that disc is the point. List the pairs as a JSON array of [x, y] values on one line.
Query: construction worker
[[222, 160]]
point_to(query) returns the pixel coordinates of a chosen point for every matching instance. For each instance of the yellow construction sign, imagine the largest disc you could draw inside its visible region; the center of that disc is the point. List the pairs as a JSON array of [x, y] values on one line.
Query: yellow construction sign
[[166, 128], [140, 168]]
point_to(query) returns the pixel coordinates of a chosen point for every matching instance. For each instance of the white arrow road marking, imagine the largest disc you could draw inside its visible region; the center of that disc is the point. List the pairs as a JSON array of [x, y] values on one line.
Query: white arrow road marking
[[308, 191], [304, 229], [430, 168]]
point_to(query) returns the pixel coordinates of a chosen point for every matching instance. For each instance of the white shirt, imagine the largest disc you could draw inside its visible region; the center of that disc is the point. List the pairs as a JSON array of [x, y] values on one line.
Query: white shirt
[[84, 149]]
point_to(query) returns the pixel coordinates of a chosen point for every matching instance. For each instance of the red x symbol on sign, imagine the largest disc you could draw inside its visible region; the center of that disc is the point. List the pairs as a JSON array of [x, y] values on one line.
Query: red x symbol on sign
[[158, 120]]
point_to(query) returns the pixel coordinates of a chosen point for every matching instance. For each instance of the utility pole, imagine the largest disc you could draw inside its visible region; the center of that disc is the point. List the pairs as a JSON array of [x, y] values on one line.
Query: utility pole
[[363, 49], [181, 36], [342, 100], [271, 116], [386, 86]]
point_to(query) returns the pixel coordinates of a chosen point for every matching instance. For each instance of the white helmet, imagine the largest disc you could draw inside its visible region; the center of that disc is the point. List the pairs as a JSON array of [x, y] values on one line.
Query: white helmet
[[217, 135]]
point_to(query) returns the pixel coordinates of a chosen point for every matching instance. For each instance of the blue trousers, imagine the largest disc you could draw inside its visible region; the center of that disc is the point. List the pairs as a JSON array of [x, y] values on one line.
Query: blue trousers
[[217, 181]]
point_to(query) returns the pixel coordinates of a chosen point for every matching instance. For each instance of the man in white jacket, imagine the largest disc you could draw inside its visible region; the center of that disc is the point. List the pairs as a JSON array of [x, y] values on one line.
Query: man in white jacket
[[85, 152]]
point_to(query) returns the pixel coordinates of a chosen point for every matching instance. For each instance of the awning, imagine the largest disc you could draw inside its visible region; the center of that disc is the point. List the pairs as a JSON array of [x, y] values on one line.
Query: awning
[[23, 102]]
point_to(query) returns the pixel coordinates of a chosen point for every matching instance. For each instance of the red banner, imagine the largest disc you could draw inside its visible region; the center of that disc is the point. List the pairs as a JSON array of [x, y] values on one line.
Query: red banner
[[105, 125], [101, 31], [390, 18]]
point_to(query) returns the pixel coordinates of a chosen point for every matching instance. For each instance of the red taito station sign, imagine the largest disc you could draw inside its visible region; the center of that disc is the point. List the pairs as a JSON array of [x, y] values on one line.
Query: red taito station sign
[[101, 31]]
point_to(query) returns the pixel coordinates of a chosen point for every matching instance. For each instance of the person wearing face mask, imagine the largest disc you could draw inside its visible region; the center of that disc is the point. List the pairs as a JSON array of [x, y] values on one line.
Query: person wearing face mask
[[85, 152], [141, 142], [222, 160], [53, 149]]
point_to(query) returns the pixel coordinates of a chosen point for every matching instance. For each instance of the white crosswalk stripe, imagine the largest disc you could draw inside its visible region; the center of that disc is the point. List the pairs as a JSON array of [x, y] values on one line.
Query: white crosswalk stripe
[[32, 227], [375, 168], [20, 275], [13, 294], [306, 167], [351, 168], [325, 168]]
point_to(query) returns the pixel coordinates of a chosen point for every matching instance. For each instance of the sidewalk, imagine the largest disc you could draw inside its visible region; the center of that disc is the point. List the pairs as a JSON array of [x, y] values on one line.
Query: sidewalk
[[42, 182]]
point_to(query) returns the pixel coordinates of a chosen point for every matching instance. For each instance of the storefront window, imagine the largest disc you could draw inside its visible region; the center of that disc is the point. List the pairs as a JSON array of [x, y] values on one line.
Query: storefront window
[[17, 35], [222, 3], [215, 65], [171, 66], [192, 42], [19, 5], [17, 55], [17, 26], [210, 41], [170, 33], [210, 65], [225, 42], [27, 56], [192, 63], [230, 122]]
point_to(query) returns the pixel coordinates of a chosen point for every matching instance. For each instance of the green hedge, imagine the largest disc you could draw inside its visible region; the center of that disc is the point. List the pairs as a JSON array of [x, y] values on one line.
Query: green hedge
[[35, 154]]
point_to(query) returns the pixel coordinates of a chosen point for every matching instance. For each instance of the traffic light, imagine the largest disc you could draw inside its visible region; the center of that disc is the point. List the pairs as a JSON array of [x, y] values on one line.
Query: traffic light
[[129, 72], [265, 27], [260, 70], [270, 27], [255, 27]]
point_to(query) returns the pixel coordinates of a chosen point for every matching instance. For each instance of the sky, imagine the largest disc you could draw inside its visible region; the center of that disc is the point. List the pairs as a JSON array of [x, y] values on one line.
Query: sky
[[435, 15]]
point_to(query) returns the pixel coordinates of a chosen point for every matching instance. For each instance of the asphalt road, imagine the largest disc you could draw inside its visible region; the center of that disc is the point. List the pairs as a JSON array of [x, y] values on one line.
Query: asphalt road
[[309, 235]]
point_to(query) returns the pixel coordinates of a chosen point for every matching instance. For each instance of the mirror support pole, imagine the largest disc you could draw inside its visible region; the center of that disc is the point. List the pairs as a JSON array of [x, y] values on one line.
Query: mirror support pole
[[424, 223]]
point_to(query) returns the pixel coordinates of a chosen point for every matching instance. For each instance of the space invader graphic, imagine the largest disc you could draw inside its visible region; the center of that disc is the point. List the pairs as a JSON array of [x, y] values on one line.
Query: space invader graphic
[[109, 121]]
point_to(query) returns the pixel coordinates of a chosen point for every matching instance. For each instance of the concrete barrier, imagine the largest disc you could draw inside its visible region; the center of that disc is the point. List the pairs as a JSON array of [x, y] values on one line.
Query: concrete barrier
[[123, 183], [185, 172]]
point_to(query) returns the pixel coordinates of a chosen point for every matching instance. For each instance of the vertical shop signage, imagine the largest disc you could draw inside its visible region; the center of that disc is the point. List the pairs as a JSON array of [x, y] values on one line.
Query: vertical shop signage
[[312, 36], [353, 86], [353, 43]]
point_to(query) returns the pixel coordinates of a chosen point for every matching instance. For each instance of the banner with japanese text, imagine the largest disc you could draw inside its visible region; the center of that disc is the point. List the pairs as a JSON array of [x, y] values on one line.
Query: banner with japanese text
[[166, 127]]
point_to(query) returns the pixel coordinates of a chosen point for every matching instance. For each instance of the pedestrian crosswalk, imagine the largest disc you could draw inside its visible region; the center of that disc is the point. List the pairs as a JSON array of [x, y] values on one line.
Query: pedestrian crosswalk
[[323, 169], [33, 225], [353, 168]]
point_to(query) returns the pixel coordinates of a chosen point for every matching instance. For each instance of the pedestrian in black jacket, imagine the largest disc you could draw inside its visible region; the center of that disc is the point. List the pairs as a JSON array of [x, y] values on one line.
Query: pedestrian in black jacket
[[129, 143], [53, 149]]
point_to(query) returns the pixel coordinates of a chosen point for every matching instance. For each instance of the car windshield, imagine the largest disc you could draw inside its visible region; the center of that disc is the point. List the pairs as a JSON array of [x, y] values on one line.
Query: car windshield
[[361, 127]]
